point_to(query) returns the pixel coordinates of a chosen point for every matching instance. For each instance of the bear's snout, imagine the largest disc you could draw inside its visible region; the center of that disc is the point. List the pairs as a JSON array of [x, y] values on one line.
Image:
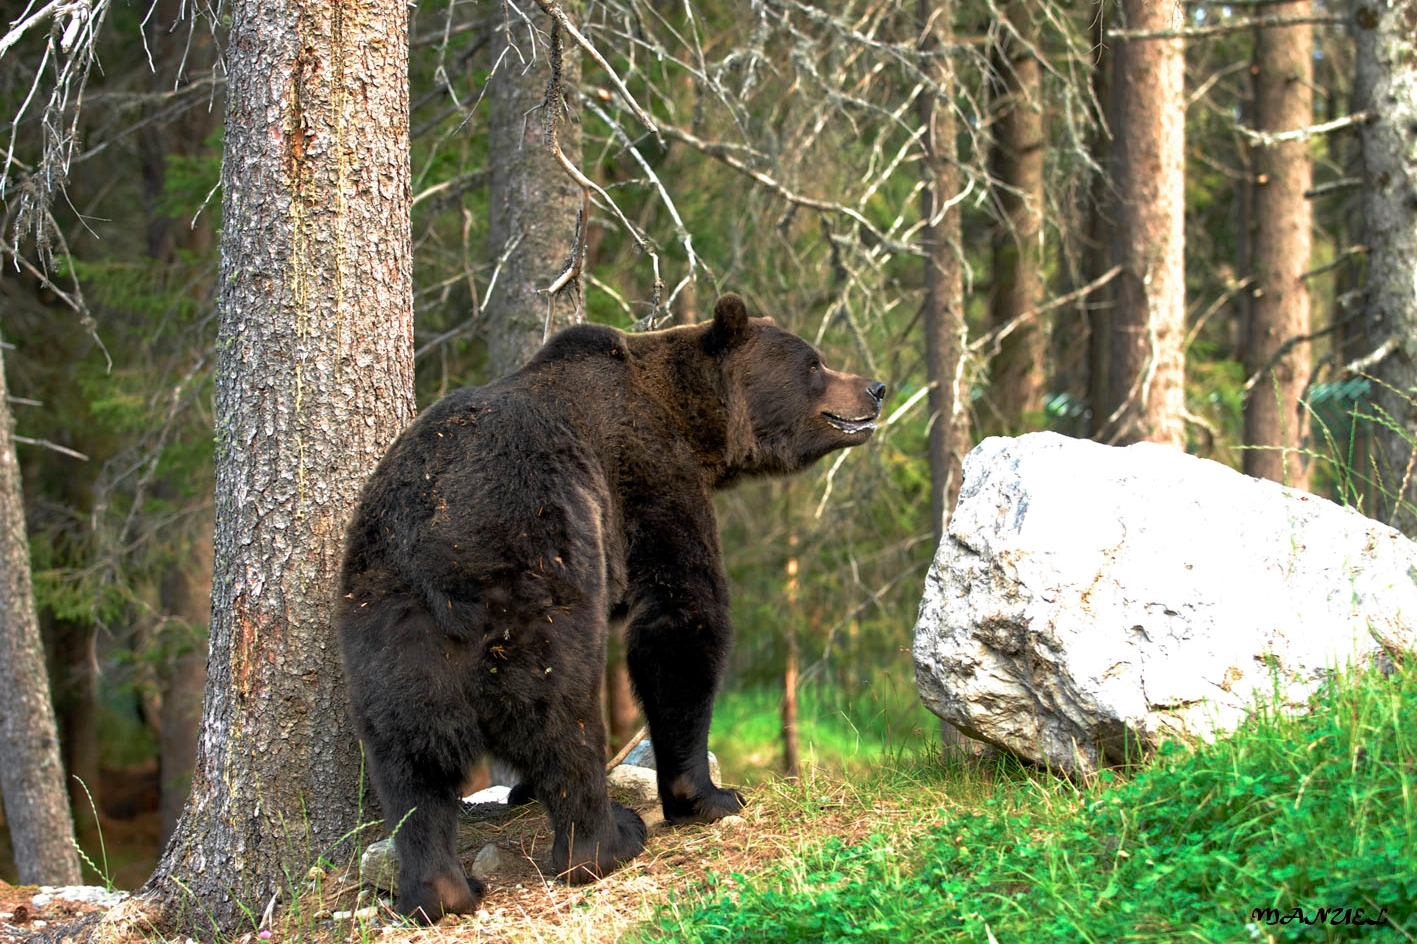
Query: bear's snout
[[877, 392]]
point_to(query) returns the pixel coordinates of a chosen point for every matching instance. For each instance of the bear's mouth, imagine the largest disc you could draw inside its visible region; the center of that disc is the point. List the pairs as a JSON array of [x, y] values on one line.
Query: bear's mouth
[[865, 424]]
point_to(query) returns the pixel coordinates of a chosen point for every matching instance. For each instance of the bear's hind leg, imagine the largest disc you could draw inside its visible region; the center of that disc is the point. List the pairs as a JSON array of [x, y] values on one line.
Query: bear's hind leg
[[432, 882], [564, 763], [594, 835]]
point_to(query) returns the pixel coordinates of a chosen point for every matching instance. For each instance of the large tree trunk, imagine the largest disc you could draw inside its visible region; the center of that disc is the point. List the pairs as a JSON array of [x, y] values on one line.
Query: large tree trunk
[[943, 318], [1017, 375], [791, 747], [1275, 419], [1386, 87], [31, 775], [533, 202], [1097, 251], [314, 380], [1146, 386]]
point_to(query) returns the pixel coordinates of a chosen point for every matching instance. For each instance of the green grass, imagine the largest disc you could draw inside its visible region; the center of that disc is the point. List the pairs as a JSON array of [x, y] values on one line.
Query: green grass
[[835, 730], [1305, 813]]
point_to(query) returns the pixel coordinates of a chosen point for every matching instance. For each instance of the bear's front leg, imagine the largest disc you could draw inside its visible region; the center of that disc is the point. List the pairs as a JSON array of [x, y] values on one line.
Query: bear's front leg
[[677, 647]]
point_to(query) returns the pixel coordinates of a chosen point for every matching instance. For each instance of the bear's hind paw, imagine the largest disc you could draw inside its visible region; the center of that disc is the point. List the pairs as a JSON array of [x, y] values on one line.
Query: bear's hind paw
[[605, 856], [444, 894]]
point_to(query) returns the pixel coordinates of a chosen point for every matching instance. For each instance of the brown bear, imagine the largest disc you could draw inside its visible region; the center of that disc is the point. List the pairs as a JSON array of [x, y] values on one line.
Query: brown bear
[[507, 528]]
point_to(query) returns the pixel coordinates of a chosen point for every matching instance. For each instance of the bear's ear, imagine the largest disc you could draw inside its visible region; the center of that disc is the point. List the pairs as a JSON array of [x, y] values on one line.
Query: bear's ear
[[730, 325]]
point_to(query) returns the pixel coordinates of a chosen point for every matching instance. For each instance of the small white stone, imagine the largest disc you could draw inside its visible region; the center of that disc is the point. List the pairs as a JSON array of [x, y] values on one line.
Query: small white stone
[[641, 782], [88, 894], [379, 866], [643, 756], [497, 794], [488, 860]]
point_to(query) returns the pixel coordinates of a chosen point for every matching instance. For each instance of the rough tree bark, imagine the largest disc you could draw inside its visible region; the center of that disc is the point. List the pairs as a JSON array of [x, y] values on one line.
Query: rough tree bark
[[1386, 88], [1275, 419], [533, 202], [31, 775], [1097, 256], [1146, 387], [1017, 376], [314, 379], [791, 749], [943, 317]]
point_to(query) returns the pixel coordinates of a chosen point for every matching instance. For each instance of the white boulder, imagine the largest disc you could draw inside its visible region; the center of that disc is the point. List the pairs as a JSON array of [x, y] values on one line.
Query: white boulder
[[1090, 601]]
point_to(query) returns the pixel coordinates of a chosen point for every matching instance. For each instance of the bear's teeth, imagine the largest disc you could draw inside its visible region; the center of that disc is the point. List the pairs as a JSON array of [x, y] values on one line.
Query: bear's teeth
[[850, 426]]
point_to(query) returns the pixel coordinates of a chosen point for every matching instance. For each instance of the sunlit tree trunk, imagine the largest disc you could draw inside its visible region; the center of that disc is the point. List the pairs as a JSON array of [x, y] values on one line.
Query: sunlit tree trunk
[[1097, 249], [314, 379], [1386, 87], [1275, 419], [791, 623], [1146, 386], [943, 317], [533, 202], [1018, 373], [31, 774]]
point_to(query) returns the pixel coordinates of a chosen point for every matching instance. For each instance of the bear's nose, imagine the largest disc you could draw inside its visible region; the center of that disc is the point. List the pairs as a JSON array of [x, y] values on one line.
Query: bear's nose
[[877, 390]]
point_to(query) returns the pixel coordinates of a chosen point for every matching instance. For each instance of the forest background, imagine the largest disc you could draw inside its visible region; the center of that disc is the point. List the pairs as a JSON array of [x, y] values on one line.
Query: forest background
[[1126, 221]]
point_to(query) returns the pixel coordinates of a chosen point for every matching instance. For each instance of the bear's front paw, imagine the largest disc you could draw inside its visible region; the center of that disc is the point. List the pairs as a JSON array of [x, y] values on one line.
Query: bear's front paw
[[581, 859], [705, 806]]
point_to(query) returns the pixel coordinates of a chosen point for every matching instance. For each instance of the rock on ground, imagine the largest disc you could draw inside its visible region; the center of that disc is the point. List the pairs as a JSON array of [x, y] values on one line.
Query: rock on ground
[[1090, 601], [637, 785], [643, 756]]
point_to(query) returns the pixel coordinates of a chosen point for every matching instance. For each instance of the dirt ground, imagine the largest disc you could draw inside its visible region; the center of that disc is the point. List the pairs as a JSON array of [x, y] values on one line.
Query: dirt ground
[[522, 904], [20, 920]]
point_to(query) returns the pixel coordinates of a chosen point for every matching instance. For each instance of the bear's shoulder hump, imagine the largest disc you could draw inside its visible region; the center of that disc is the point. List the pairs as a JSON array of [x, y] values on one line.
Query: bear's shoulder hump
[[583, 341]]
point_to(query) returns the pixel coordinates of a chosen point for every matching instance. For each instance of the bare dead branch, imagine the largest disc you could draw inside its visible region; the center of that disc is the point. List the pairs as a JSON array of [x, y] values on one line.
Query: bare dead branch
[[631, 228], [1270, 139], [1333, 186], [724, 155], [1231, 290], [1283, 349], [1363, 364], [54, 446], [996, 337], [553, 10], [1339, 260], [1220, 29]]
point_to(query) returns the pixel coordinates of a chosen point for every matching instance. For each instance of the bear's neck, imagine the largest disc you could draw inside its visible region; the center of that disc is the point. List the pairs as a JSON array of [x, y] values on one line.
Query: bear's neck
[[690, 396]]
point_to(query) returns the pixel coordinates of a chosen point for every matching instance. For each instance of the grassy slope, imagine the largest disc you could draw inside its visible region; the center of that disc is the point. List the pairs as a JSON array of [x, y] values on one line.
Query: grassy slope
[[1305, 813], [896, 846]]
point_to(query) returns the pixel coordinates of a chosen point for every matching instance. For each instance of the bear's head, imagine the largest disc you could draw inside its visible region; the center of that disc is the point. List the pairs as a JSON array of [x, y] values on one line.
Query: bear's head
[[787, 408]]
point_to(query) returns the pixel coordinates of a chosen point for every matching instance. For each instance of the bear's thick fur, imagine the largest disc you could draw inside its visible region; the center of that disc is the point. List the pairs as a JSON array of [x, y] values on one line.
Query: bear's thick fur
[[510, 524]]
